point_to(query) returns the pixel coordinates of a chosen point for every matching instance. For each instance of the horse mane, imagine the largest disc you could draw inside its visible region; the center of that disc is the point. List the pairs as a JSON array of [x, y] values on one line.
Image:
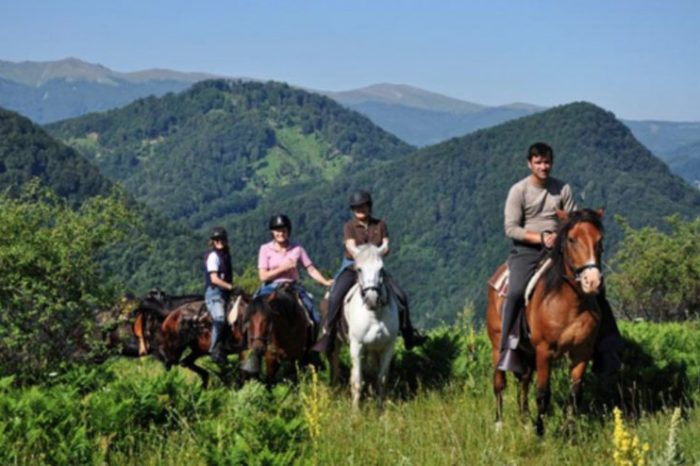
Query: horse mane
[[262, 304], [554, 277]]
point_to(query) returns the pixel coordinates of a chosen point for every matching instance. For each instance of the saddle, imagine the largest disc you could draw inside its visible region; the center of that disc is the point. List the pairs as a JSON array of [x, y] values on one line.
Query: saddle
[[499, 280]]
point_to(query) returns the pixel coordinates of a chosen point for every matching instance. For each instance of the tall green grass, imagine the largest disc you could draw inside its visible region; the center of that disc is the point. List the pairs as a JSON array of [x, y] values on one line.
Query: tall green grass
[[440, 410]]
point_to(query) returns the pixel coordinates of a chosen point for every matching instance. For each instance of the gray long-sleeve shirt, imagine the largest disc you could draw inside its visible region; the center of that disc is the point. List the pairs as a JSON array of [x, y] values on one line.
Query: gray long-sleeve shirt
[[533, 208]]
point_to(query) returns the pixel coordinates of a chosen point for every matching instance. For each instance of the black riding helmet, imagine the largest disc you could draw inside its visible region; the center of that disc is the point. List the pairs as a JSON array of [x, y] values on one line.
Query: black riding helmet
[[359, 198], [280, 221], [218, 233]]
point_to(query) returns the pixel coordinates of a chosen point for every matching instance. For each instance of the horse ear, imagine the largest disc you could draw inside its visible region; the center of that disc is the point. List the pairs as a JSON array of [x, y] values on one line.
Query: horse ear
[[562, 214], [383, 248], [600, 211]]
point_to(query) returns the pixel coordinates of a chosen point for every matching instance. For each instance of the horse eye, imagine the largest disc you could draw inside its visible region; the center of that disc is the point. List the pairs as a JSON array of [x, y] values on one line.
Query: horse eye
[[359, 270], [571, 240]]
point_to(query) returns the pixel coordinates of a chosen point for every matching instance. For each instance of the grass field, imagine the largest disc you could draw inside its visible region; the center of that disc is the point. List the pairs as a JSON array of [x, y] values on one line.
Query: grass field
[[440, 411]]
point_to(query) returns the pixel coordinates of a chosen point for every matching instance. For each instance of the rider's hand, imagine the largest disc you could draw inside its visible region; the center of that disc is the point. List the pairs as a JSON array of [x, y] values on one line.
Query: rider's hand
[[549, 239], [289, 265]]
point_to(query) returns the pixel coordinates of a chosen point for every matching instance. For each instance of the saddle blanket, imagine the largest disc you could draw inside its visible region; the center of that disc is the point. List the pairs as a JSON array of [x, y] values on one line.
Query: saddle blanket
[[499, 280]]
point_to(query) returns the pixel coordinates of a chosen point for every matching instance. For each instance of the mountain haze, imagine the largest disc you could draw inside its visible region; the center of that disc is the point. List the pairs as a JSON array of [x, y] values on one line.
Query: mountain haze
[[444, 203], [422, 117], [55, 90]]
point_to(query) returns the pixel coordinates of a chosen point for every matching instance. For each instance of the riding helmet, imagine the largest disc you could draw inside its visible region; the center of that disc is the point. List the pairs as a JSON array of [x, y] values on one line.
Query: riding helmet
[[359, 198], [280, 221], [218, 233]]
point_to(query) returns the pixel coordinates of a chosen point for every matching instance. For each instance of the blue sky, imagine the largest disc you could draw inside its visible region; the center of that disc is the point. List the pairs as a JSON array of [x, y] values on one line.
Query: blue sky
[[639, 59]]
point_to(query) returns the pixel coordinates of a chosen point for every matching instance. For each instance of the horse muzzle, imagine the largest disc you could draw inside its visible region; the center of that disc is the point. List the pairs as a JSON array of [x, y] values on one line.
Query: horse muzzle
[[251, 365], [590, 279]]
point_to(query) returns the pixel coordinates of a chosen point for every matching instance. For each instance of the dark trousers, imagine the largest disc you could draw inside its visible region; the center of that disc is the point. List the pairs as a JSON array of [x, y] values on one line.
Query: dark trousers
[[522, 263]]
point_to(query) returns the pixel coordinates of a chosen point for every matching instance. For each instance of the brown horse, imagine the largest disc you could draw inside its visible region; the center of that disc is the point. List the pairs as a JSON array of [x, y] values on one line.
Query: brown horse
[[562, 315], [278, 329], [149, 315], [189, 326]]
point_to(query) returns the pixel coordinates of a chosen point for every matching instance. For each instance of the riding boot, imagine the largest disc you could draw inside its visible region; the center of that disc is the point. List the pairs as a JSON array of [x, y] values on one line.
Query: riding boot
[[510, 359], [411, 337], [216, 351], [326, 343]]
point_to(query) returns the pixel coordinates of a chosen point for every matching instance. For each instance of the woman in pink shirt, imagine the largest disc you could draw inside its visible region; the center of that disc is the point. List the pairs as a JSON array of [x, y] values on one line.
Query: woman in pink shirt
[[278, 263]]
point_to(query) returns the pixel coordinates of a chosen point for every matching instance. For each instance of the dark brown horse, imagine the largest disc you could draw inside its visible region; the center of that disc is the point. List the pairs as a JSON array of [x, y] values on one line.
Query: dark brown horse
[[562, 315], [149, 315], [189, 326], [278, 329]]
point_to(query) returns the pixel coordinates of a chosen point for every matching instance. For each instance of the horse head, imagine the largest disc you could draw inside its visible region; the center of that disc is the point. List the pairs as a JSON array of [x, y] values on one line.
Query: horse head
[[579, 246], [369, 266], [257, 327]]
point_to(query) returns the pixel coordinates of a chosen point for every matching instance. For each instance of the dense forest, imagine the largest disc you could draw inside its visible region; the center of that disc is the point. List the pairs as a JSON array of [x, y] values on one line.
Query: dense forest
[[222, 146], [156, 252], [444, 203]]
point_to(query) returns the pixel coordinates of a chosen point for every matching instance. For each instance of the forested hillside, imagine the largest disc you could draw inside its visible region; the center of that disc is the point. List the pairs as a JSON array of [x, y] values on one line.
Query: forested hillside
[[219, 148], [685, 161], [159, 252], [444, 203]]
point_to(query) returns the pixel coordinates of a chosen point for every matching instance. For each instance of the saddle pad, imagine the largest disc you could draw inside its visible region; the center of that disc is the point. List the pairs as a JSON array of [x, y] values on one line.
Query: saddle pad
[[499, 280], [234, 312]]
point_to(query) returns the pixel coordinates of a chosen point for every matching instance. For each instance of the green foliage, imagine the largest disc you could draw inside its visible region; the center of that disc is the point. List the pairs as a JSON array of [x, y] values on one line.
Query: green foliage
[[444, 203], [50, 281], [132, 411], [220, 147], [656, 274]]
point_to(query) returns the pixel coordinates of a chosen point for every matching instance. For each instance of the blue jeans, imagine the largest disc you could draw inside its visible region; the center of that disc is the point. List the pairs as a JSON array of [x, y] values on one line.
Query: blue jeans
[[304, 295], [216, 303]]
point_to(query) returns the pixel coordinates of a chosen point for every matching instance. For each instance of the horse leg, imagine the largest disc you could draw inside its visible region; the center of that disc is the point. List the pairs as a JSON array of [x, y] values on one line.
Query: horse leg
[[576, 375], [543, 391], [356, 373], [189, 362], [335, 365], [384, 363], [499, 384], [523, 389], [271, 366]]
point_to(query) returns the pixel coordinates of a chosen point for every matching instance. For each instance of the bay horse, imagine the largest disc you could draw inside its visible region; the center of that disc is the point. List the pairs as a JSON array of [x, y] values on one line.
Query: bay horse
[[278, 329], [562, 314], [372, 318], [189, 326], [149, 315]]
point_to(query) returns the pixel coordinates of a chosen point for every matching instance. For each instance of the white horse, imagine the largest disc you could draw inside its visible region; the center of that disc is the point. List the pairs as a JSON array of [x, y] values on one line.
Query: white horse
[[372, 316]]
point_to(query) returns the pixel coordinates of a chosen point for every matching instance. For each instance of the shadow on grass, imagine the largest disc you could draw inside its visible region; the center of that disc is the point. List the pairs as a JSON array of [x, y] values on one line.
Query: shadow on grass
[[642, 385]]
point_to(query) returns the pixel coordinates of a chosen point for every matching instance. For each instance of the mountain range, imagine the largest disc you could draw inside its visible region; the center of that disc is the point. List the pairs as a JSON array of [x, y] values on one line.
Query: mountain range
[[220, 147], [56, 90]]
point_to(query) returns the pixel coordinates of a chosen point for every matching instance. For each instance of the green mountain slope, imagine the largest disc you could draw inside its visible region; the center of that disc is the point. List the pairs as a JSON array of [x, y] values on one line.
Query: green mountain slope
[[444, 203], [222, 146], [685, 161], [163, 254]]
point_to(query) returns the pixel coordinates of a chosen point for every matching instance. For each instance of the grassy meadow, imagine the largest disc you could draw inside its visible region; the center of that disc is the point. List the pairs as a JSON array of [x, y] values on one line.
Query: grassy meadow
[[440, 411]]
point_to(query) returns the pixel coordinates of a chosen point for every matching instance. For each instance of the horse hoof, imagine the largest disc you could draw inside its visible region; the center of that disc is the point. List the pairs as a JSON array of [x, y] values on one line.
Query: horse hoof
[[498, 426]]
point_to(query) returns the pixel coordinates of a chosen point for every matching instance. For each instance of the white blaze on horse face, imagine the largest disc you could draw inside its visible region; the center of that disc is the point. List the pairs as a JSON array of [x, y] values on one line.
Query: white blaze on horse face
[[369, 265], [590, 280]]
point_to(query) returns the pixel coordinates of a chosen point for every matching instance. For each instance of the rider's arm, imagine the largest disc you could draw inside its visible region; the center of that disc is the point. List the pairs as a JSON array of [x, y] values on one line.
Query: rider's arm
[[513, 219], [212, 265], [567, 199], [215, 280], [318, 276]]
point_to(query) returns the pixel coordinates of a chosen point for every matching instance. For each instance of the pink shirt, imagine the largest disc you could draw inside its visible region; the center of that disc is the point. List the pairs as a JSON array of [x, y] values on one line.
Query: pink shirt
[[270, 258]]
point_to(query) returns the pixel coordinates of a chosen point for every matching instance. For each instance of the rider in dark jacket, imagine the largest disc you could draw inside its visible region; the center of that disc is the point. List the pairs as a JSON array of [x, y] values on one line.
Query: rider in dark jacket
[[218, 283], [363, 229]]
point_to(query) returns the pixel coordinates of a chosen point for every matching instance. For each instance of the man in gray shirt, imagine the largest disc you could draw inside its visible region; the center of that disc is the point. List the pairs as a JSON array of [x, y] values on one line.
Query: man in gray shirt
[[531, 222]]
